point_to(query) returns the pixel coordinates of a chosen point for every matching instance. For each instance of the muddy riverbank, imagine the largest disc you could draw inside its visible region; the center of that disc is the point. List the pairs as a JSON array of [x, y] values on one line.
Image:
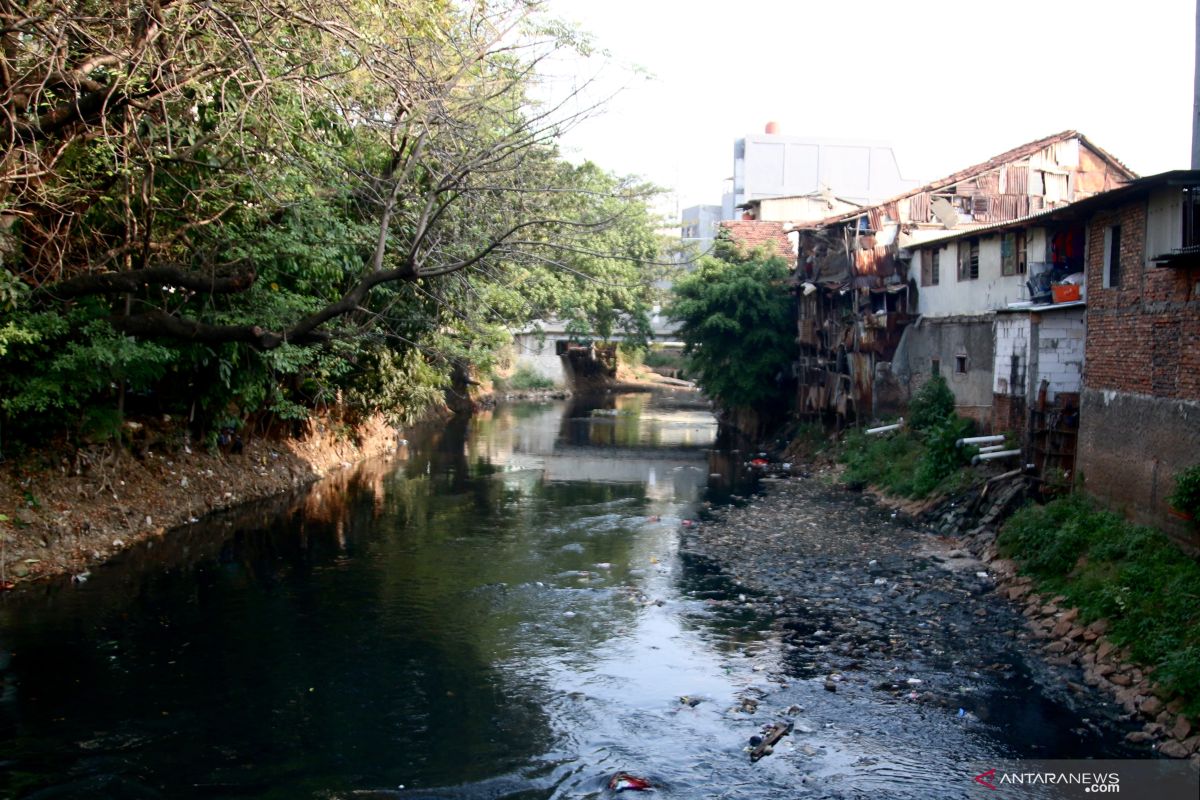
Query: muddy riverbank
[[874, 608], [68, 512]]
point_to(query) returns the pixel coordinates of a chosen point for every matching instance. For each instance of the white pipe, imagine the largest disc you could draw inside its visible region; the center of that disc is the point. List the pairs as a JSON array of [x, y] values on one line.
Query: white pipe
[[991, 456], [886, 428], [992, 448], [981, 440]]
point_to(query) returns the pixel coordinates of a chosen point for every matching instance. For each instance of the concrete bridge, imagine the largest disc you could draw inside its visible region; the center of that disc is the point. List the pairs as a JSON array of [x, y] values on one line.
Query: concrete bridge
[[541, 348]]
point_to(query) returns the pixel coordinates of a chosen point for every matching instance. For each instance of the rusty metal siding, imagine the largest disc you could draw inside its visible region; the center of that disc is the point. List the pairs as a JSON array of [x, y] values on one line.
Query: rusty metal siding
[[1018, 180]]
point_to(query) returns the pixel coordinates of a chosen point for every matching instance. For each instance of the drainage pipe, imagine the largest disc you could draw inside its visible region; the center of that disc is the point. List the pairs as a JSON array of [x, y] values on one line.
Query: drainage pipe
[[997, 454], [981, 440]]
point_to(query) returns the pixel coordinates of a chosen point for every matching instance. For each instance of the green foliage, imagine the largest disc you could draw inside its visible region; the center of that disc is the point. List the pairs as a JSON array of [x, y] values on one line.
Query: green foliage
[[908, 462], [735, 315], [942, 457], [282, 172], [525, 379], [889, 461], [1132, 575], [932, 404], [1185, 496], [61, 370], [660, 357]]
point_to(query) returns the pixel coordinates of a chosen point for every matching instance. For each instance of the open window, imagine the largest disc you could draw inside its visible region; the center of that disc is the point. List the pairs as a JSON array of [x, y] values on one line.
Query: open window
[[1013, 253], [931, 267], [968, 260]]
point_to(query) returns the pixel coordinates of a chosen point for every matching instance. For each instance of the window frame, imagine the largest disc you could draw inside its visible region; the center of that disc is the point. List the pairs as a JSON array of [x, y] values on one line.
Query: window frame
[[1112, 257], [968, 259]]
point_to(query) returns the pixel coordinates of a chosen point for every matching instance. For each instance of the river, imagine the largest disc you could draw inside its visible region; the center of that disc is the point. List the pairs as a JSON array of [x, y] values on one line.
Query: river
[[500, 611]]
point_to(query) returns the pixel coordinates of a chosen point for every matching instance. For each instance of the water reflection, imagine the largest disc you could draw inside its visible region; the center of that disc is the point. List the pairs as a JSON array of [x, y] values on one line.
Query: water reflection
[[437, 621], [502, 613]]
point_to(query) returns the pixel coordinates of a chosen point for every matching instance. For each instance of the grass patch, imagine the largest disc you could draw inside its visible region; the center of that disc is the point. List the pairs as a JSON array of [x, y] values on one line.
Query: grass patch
[[921, 459], [1147, 588], [525, 380]]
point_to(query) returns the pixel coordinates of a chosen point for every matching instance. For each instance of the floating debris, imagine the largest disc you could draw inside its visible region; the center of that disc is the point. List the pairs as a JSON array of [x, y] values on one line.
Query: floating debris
[[624, 782]]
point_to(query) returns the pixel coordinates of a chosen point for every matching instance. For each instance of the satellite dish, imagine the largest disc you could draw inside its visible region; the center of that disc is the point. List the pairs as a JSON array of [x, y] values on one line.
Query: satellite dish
[[944, 211]]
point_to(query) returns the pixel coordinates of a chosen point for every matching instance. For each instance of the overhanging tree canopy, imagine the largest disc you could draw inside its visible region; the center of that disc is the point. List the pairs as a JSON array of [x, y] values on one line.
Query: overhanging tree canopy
[[280, 173]]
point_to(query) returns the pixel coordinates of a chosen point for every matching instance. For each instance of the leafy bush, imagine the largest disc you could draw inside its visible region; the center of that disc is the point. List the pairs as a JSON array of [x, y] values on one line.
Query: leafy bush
[[932, 404], [658, 357], [889, 461], [923, 458], [525, 380], [1186, 495], [1133, 576], [942, 457]]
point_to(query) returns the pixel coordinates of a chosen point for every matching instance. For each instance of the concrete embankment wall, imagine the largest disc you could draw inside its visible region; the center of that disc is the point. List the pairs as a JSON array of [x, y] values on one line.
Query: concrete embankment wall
[[1131, 446]]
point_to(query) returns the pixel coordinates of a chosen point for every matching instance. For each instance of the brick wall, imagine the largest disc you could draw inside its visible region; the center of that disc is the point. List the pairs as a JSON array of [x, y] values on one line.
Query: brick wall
[[1143, 336], [1140, 417]]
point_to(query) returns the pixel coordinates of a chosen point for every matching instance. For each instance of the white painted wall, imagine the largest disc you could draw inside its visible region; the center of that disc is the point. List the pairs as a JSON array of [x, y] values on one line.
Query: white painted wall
[[1060, 351], [1012, 337], [538, 354], [1164, 222], [991, 290]]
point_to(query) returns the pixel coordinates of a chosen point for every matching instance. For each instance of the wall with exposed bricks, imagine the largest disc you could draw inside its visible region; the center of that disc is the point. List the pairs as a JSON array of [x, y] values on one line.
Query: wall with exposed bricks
[[1140, 417]]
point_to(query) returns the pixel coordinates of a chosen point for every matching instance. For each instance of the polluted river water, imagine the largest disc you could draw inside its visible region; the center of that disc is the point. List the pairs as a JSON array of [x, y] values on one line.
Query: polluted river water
[[509, 608]]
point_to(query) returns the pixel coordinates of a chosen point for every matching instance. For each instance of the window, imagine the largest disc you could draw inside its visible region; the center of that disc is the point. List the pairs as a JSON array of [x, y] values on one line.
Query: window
[[960, 365], [935, 366], [968, 260], [1112, 256], [931, 267], [1012, 253]]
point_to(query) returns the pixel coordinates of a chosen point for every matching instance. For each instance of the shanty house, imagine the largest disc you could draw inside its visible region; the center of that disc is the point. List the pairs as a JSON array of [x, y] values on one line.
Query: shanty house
[[859, 292]]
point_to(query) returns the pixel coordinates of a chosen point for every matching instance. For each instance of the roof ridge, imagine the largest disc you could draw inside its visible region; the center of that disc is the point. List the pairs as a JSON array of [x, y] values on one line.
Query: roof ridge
[[975, 169]]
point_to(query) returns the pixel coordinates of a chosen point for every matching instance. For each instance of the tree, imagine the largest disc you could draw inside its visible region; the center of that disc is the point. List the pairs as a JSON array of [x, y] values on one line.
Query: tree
[[282, 192], [737, 324]]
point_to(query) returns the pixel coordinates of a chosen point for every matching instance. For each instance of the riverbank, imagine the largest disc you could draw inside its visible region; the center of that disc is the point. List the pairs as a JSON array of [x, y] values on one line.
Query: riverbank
[[865, 590], [69, 512]]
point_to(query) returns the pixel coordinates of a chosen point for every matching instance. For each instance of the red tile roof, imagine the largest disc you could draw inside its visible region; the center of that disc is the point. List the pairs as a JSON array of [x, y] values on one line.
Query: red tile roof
[[749, 234]]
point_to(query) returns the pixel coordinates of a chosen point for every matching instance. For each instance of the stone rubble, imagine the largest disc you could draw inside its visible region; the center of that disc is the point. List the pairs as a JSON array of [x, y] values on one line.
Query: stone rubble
[[808, 542]]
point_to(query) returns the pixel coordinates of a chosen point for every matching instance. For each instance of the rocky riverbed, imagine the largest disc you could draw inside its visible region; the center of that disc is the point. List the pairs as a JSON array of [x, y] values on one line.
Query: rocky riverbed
[[875, 609]]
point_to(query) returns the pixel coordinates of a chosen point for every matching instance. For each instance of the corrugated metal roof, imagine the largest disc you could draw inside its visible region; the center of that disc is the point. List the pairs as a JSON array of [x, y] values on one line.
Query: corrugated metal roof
[[1076, 209], [1017, 153]]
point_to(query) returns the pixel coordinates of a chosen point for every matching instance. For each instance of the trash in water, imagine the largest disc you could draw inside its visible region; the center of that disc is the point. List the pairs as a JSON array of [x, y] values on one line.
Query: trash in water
[[688, 700], [623, 781], [770, 737], [962, 712], [758, 462]]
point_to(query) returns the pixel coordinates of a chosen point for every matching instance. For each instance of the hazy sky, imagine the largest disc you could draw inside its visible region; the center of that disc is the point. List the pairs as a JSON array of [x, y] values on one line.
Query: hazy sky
[[949, 84]]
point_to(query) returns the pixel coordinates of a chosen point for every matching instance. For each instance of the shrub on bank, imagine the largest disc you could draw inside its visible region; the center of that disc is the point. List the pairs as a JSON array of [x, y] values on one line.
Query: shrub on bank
[[920, 460], [1132, 575], [525, 380]]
